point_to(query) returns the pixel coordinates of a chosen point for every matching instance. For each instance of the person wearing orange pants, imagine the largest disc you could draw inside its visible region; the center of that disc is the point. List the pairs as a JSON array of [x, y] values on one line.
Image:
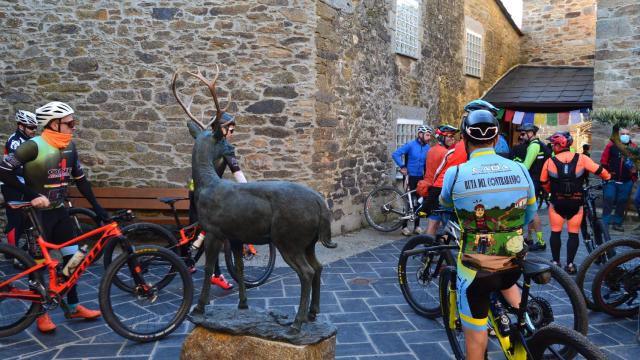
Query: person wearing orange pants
[[562, 177]]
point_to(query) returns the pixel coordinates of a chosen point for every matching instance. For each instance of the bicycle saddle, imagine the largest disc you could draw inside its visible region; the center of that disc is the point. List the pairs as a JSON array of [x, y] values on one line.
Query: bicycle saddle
[[171, 199], [539, 272], [19, 204]]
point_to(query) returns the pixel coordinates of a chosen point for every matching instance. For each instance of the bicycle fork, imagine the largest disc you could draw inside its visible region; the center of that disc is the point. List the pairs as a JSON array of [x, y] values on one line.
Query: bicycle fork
[[142, 288]]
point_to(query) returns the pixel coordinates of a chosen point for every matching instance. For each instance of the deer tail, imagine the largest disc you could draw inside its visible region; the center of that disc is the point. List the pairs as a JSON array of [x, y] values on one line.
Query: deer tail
[[324, 233]]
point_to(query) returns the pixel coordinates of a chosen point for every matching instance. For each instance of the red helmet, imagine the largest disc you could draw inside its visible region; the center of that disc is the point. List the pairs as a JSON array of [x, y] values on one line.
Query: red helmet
[[561, 140]]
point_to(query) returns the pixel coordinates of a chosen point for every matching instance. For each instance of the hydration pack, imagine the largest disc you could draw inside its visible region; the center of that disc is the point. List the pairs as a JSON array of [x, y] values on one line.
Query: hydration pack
[[567, 186]]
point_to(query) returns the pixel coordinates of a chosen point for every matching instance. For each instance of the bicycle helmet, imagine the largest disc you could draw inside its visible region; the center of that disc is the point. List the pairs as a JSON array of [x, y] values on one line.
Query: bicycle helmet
[[560, 140], [443, 131], [51, 111], [529, 127], [26, 118], [227, 119], [480, 126], [480, 104], [425, 129]]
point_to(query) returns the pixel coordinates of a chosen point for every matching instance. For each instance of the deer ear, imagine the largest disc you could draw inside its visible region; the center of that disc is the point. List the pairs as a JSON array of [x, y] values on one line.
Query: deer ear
[[194, 129]]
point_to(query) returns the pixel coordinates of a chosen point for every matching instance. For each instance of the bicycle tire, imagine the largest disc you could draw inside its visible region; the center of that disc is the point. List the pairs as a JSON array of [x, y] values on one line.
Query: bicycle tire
[[452, 326], [84, 220], [378, 220], [262, 268], [560, 288], [182, 292], [7, 255], [599, 253], [405, 265], [553, 334], [137, 233], [606, 276]]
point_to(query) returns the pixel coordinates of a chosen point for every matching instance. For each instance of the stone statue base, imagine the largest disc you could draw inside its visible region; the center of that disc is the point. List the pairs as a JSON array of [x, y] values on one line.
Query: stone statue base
[[228, 333]]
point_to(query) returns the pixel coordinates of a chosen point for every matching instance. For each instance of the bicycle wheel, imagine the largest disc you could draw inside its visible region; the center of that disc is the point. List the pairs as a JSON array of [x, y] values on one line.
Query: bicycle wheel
[[16, 314], [595, 262], [615, 287], [450, 316], [557, 342], [140, 233], [418, 275], [149, 312], [258, 264], [84, 220], [561, 301], [385, 207]]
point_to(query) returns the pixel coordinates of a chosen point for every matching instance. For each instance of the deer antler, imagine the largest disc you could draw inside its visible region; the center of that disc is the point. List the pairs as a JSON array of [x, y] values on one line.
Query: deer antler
[[211, 85], [184, 107]]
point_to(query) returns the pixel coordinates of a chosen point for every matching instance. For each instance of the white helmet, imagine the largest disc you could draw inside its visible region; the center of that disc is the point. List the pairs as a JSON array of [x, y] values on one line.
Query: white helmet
[[51, 111], [26, 118]]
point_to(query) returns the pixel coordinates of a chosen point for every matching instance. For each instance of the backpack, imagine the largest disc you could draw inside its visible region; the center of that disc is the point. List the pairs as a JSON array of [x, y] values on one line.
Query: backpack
[[541, 158], [567, 186]]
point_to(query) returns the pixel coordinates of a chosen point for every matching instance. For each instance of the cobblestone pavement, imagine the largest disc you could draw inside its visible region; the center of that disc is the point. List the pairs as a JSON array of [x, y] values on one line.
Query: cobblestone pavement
[[360, 295]]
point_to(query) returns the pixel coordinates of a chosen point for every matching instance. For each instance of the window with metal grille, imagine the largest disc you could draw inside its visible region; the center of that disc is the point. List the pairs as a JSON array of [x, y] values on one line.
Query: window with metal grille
[[406, 130], [473, 58], [407, 36]]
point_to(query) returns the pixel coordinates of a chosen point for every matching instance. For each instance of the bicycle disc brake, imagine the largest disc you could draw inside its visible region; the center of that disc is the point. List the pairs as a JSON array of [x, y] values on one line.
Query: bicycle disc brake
[[147, 292], [539, 311], [423, 273]]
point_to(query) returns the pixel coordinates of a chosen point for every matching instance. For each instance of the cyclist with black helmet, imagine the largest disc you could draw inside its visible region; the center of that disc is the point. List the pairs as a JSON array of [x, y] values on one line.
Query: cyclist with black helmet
[[537, 153], [494, 198], [26, 129], [225, 131], [411, 158], [563, 176], [50, 162], [446, 139]]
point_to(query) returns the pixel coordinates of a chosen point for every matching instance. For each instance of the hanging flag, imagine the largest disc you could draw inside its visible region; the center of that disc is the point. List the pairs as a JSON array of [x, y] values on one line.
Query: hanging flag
[[563, 118], [500, 114], [540, 119], [508, 115], [552, 119], [575, 117], [518, 116], [528, 118]]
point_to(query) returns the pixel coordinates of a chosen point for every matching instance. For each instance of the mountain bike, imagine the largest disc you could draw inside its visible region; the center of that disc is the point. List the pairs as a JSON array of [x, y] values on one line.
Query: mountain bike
[[147, 312], [616, 287], [386, 207], [518, 335], [594, 231], [423, 258], [259, 260], [596, 261]]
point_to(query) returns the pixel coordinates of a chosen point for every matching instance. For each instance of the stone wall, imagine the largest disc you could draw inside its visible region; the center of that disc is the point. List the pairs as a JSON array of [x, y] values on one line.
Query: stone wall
[[363, 86], [113, 61], [501, 45], [559, 32], [617, 64]]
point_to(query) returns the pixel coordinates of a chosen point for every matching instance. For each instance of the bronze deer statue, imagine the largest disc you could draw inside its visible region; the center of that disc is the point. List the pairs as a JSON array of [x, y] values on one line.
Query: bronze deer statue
[[291, 216]]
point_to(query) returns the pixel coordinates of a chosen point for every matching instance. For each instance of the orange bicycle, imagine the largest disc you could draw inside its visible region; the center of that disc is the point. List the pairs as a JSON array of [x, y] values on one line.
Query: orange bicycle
[[155, 304]]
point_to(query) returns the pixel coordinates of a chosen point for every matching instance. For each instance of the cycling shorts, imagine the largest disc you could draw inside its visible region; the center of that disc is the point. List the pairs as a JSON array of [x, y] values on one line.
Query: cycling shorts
[[474, 290], [432, 203]]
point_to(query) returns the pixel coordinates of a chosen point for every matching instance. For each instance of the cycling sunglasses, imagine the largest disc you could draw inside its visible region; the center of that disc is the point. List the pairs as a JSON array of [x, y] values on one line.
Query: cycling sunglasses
[[70, 124], [31, 127], [482, 134]]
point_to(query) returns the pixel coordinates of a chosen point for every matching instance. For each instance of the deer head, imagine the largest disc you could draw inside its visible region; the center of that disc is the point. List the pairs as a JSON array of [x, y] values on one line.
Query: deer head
[[211, 85]]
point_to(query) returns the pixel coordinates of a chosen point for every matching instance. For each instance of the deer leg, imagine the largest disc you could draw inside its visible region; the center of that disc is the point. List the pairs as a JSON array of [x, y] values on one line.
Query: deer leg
[[305, 273], [211, 250], [242, 289], [310, 253]]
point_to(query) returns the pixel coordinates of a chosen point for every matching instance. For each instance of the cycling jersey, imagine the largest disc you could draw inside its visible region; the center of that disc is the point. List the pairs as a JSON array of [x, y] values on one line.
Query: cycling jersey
[[453, 157], [14, 141], [537, 154], [502, 147], [434, 159], [416, 153], [493, 198]]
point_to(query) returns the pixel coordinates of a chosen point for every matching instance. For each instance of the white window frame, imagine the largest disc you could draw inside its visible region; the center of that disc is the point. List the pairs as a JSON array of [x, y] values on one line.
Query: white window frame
[[406, 130], [474, 54], [408, 28]]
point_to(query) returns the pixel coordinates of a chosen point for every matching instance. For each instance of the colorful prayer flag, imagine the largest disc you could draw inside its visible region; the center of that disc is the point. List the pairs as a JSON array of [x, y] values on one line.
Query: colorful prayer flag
[[540, 119], [563, 118], [500, 114], [552, 119], [575, 117], [528, 118], [508, 115], [518, 117]]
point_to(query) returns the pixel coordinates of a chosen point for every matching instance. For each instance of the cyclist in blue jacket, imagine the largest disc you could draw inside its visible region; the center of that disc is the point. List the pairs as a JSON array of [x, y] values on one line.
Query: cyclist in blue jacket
[[411, 158]]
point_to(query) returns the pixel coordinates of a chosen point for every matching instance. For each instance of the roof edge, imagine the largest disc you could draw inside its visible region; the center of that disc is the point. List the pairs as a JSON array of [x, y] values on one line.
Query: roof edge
[[498, 80], [555, 66], [509, 18]]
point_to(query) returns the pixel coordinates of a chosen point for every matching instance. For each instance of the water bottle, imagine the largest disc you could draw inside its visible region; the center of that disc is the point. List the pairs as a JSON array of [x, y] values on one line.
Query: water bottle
[[75, 260], [500, 315], [196, 244]]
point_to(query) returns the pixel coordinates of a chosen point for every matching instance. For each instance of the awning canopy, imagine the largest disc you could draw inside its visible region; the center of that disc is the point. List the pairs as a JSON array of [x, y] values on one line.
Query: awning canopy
[[543, 88]]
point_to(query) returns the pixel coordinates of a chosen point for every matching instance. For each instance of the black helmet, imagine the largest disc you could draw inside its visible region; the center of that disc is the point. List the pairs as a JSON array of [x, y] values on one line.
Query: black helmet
[[480, 104], [529, 127], [480, 126]]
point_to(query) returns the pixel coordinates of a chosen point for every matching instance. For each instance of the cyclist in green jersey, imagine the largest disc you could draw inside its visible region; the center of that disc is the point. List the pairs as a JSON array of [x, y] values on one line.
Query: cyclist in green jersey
[[50, 162]]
